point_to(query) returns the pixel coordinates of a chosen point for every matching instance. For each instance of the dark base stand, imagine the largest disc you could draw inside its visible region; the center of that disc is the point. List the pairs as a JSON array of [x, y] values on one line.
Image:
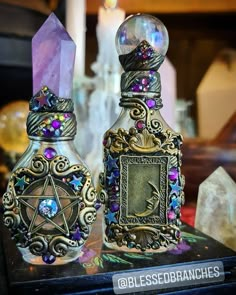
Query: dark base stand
[[92, 272]]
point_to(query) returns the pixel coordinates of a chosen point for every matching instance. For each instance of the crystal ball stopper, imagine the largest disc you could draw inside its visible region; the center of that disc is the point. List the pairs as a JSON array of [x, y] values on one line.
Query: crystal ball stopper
[[140, 27]]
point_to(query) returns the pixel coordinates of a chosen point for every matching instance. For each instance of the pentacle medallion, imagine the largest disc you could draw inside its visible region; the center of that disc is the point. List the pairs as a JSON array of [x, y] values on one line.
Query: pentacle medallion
[[42, 206]]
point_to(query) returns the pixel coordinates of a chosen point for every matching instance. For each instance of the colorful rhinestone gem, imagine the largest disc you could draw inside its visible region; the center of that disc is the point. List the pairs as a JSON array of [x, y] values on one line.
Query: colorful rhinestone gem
[[49, 259], [140, 124], [151, 103], [171, 215], [173, 174], [56, 124], [49, 153], [114, 207], [48, 208]]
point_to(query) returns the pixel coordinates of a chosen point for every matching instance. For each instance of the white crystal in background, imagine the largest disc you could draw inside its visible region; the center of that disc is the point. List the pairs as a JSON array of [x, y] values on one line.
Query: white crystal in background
[[216, 208]]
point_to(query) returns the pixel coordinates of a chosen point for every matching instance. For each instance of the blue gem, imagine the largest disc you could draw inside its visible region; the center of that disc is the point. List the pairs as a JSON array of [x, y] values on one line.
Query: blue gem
[[174, 203], [110, 217], [111, 179], [48, 208], [49, 259], [175, 188], [111, 163], [21, 182], [76, 182], [116, 173], [131, 245]]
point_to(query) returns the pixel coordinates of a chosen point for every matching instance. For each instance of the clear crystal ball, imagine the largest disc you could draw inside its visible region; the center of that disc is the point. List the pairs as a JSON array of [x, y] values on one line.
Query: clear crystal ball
[[140, 27]]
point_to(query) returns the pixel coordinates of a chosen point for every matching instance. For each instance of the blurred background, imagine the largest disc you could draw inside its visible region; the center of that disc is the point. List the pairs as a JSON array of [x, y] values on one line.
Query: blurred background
[[199, 76]]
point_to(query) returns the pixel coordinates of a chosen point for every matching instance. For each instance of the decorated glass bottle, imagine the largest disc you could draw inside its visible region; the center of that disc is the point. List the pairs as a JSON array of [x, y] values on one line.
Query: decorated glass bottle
[[50, 201], [142, 181]]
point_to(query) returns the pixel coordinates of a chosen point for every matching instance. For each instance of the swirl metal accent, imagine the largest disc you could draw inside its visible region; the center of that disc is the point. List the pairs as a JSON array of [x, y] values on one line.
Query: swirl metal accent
[[8, 201], [58, 246], [87, 216], [39, 166], [11, 219], [38, 245]]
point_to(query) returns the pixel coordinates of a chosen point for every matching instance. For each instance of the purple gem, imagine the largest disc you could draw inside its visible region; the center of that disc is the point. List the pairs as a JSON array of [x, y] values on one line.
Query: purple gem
[[66, 115], [76, 236], [53, 54], [114, 207], [151, 103], [136, 88], [116, 173], [173, 173], [115, 188], [140, 124], [56, 124], [49, 259], [97, 205], [47, 133], [49, 153]]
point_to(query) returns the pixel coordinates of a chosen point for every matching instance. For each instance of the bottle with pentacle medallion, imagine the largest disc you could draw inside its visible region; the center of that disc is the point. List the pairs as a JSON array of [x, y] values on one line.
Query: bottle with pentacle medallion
[[142, 185], [50, 203]]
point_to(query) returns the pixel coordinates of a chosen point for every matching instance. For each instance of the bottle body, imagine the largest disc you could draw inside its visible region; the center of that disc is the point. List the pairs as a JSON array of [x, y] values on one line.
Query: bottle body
[[50, 200], [142, 209]]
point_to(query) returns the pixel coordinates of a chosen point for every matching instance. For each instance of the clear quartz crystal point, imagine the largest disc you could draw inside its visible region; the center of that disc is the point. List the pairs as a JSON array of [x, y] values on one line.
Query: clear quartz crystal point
[[50, 203], [53, 54]]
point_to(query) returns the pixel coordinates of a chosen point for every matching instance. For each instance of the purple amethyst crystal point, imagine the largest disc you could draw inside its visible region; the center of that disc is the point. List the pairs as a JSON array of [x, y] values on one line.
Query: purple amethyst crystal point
[[53, 54]]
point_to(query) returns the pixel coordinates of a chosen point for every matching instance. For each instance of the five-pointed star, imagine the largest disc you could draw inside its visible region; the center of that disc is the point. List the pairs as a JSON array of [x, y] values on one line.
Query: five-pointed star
[[111, 163], [21, 182], [76, 182], [110, 217], [174, 203], [175, 188], [35, 228], [42, 100], [111, 179]]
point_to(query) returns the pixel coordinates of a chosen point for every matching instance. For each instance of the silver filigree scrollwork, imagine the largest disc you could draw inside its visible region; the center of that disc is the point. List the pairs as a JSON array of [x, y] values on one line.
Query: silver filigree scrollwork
[[39, 167], [87, 216], [58, 246], [8, 201], [38, 245], [11, 220]]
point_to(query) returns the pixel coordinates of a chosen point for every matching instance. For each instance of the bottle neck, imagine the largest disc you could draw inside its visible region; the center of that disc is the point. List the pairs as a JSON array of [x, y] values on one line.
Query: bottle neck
[[141, 89], [51, 126]]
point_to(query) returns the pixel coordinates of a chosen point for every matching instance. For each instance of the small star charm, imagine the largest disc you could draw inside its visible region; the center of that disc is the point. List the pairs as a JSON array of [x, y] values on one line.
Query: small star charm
[[175, 188], [174, 203], [111, 179], [21, 182], [110, 217], [76, 182], [111, 163], [42, 100]]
